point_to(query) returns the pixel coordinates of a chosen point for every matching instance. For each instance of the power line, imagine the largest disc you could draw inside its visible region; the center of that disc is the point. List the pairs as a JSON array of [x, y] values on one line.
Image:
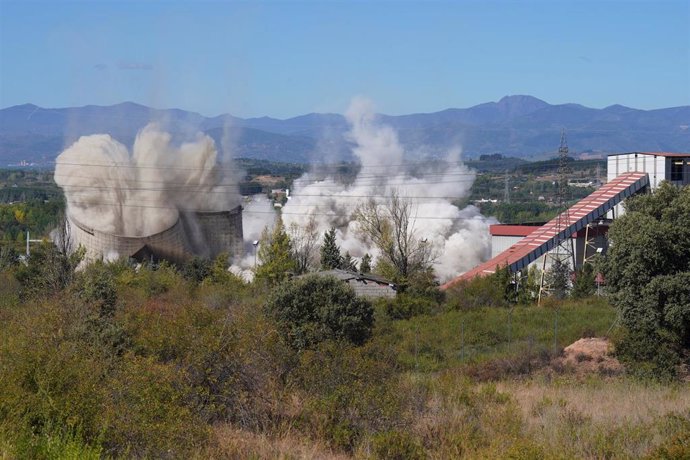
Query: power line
[[219, 168], [330, 169], [284, 213]]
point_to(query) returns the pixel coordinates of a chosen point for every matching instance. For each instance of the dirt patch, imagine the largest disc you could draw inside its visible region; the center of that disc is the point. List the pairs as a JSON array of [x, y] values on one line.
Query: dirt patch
[[267, 180], [589, 355]]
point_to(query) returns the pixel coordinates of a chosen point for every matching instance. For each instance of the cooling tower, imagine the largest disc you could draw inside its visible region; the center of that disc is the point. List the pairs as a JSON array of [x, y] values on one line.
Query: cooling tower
[[214, 233], [221, 232]]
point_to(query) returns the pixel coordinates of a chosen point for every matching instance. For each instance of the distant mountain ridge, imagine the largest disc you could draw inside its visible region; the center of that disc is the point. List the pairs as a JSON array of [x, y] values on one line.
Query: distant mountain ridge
[[522, 126]]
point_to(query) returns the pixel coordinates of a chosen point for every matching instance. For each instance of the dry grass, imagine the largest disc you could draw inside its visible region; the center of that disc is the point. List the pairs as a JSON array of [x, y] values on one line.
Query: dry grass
[[609, 401], [539, 417], [618, 418], [268, 180], [231, 442]]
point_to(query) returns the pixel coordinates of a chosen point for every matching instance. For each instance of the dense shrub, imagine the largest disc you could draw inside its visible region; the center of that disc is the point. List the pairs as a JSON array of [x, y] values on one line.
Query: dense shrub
[[52, 379], [47, 271], [150, 280], [9, 290], [350, 392], [96, 286], [397, 445], [197, 269], [148, 412], [647, 272], [105, 367], [482, 291], [405, 306], [315, 308], [584, 284]]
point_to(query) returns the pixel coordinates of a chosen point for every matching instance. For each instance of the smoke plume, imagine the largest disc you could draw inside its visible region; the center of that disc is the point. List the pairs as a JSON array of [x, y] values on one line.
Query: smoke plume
[[460, 237], [143, 192]]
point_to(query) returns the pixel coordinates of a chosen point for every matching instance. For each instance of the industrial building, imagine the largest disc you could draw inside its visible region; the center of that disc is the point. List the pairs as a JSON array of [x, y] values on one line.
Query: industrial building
[[202, 234], [659, 166], [585, 224]]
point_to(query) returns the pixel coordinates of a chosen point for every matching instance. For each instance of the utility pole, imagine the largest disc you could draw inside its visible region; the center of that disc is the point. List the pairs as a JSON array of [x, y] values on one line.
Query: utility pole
[[506, 189], [28, 240], [564, 250], [598, 175]]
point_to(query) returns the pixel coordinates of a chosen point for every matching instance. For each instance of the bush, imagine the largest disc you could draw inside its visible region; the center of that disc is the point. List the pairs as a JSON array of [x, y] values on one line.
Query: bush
[[405, 306], [396, 445], [151, 280], [350, 392], [196, 270], [315, 308], [47, 271], [52, 380], [482, 291], [96, 286], [148, 412], [677, 444], [648, 353], [56, 443]]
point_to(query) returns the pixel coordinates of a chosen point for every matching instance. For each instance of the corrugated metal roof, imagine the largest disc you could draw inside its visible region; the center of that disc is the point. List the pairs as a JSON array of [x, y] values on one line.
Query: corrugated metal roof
[[545, 238], [346, 275], [659, 154], [511, 230]]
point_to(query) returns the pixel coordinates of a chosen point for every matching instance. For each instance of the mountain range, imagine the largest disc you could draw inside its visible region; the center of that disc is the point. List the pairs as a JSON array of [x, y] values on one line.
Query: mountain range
[[520, 126]]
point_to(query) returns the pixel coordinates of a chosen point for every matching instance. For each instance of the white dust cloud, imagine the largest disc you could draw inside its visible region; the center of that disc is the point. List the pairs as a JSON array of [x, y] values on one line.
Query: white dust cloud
[[460, 237], [143, 192]]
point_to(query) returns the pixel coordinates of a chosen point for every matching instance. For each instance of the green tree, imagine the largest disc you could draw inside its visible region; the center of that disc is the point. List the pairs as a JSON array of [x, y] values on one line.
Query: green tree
[[365, 265], [529, 285], [349, 263], [584, 285], [314, 308], [558, 279], [330, 252], [197, 269], [647, 271], [275, 255]]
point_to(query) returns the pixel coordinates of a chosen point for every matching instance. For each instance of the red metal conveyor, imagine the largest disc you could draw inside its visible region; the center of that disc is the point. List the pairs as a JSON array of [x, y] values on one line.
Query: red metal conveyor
[[545, 238]]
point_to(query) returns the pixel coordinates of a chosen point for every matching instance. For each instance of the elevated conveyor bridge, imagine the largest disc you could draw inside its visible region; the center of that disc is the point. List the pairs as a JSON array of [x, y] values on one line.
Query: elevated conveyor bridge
[[546, 237]]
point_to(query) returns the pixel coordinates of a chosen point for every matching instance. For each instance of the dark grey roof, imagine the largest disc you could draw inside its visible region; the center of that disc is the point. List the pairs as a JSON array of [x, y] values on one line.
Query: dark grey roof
[[347, 275]]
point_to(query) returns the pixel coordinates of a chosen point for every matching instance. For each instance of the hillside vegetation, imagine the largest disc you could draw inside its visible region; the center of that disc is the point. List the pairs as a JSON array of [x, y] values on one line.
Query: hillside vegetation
[[116, 361]]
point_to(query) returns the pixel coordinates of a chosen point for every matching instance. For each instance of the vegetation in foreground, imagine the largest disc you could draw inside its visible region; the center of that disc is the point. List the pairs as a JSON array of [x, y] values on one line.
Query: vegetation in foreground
[[158, 362], [116, 361]]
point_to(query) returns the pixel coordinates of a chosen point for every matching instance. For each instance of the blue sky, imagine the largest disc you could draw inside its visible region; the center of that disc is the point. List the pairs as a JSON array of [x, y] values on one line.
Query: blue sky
[[283, 58]]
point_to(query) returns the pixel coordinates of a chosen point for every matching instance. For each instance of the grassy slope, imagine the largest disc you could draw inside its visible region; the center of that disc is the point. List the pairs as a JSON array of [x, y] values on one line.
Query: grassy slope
[[455, 338]]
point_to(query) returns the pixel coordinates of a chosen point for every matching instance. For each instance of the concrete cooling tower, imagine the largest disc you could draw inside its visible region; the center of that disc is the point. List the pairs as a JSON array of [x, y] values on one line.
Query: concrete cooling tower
[[203, 234], [220, 232]]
